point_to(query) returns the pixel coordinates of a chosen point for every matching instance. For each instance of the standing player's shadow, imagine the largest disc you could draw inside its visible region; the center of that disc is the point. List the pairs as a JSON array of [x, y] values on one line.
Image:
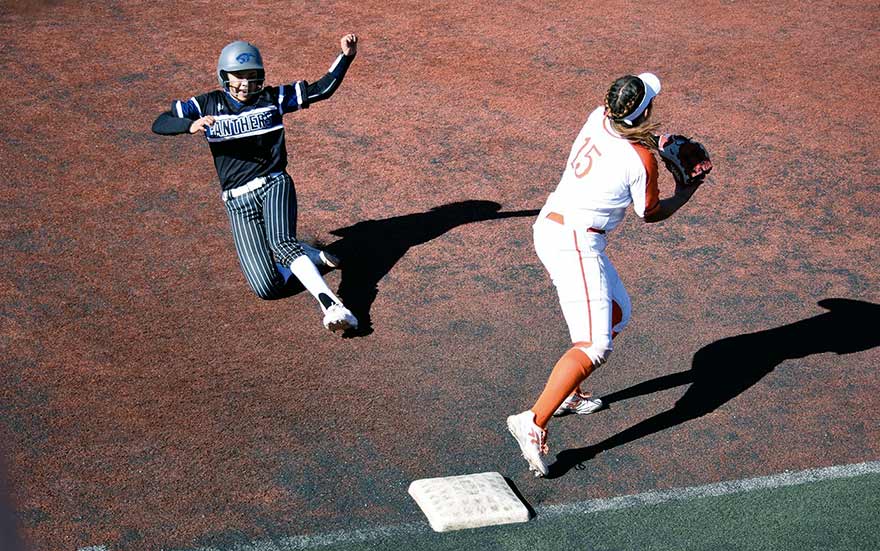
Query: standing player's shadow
[[369, 249], [724, 369]]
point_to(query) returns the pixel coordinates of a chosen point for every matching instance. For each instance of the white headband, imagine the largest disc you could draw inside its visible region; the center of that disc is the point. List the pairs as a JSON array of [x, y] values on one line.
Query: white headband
[[652, 88]]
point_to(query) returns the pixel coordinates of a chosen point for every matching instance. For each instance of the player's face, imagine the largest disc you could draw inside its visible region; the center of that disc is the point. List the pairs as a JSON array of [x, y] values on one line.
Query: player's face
[[243, 84]]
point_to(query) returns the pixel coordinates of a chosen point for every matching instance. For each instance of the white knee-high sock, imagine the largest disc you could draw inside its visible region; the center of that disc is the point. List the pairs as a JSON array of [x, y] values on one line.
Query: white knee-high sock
[[307, 274]]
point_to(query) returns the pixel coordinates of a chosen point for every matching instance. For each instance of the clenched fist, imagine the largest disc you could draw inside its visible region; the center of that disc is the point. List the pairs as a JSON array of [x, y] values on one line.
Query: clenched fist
[[349, 44]]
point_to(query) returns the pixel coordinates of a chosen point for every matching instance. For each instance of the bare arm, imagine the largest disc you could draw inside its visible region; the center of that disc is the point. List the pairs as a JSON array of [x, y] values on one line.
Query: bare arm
[[683, 193]]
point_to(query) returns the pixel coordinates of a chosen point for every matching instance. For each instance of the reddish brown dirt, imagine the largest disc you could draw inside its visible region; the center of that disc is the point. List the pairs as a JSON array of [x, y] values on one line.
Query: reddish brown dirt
[[149, 400]]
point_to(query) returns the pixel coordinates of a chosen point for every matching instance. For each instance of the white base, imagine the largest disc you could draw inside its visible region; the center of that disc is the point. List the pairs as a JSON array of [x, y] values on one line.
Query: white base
[[468, 501]]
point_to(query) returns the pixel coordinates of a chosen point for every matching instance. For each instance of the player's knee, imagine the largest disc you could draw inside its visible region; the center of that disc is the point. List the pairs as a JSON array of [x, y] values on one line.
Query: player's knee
[[598, 352], [264, 293], [268, 291]]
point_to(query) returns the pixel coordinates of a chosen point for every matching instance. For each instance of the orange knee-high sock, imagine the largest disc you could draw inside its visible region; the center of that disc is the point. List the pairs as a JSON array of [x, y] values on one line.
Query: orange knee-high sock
[[573, 367]]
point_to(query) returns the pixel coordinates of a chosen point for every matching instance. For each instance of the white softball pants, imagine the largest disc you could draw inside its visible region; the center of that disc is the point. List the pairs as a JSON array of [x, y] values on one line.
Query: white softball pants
[[589, 288]]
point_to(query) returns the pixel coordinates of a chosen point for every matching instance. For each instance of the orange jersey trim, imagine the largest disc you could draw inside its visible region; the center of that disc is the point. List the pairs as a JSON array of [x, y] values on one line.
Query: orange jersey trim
[[652, 191]]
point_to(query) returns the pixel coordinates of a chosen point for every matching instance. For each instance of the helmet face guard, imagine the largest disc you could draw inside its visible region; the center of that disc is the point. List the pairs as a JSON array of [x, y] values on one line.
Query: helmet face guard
[[258, 82], [240, 56]]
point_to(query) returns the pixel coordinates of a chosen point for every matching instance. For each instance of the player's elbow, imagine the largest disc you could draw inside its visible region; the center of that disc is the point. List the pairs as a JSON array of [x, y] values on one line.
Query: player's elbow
[[652, 218], [167, 124], [160, 122], [654, 215]]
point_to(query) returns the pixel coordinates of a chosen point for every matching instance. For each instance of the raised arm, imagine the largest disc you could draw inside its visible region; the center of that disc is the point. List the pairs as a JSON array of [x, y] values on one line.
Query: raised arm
[[324, 87]]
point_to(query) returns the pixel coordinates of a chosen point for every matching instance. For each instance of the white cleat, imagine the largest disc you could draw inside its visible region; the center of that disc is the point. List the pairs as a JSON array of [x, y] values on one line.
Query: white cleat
[[579, 403], [532, 440], [339, 318]]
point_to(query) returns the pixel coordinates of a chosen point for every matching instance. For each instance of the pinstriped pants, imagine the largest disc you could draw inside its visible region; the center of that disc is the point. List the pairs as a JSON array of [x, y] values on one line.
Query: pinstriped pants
[[264, 230]]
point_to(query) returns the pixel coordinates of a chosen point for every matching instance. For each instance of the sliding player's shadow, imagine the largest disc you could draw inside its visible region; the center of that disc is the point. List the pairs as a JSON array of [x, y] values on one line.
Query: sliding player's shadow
[[369, 249], [724, 369]]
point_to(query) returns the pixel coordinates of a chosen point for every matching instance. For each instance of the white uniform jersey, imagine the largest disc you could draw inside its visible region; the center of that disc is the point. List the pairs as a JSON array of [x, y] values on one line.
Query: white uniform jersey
[[603, 175]]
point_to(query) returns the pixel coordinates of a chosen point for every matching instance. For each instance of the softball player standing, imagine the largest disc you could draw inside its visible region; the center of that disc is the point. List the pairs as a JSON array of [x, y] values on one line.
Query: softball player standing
[[243, 126], [611, 165]]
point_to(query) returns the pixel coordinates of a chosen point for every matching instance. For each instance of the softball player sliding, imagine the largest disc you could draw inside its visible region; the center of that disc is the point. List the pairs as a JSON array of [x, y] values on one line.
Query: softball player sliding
[[611, 165], [243, 127]]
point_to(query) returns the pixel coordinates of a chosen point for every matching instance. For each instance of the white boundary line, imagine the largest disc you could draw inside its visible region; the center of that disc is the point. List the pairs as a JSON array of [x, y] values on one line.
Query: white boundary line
[[298, 543], [711, 490]]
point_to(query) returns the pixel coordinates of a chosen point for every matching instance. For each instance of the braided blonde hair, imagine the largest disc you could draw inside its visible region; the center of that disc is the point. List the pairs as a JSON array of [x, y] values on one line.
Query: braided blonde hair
[[624, 95]]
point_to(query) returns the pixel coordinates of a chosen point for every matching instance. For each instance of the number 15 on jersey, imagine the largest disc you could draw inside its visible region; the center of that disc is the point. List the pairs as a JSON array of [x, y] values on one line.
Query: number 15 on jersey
[[582, 161]]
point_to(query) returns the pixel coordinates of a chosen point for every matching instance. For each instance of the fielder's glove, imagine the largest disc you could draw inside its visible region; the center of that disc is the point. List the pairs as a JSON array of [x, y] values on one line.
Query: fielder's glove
[[686, 159]]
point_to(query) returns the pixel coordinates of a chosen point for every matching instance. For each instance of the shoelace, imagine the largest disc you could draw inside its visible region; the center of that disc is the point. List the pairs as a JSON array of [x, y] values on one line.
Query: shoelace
[[579, 396], [540, 438]]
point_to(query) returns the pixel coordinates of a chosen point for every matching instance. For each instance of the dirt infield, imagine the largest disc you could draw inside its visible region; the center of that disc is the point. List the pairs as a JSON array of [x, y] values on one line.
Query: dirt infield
[[149, 400]]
